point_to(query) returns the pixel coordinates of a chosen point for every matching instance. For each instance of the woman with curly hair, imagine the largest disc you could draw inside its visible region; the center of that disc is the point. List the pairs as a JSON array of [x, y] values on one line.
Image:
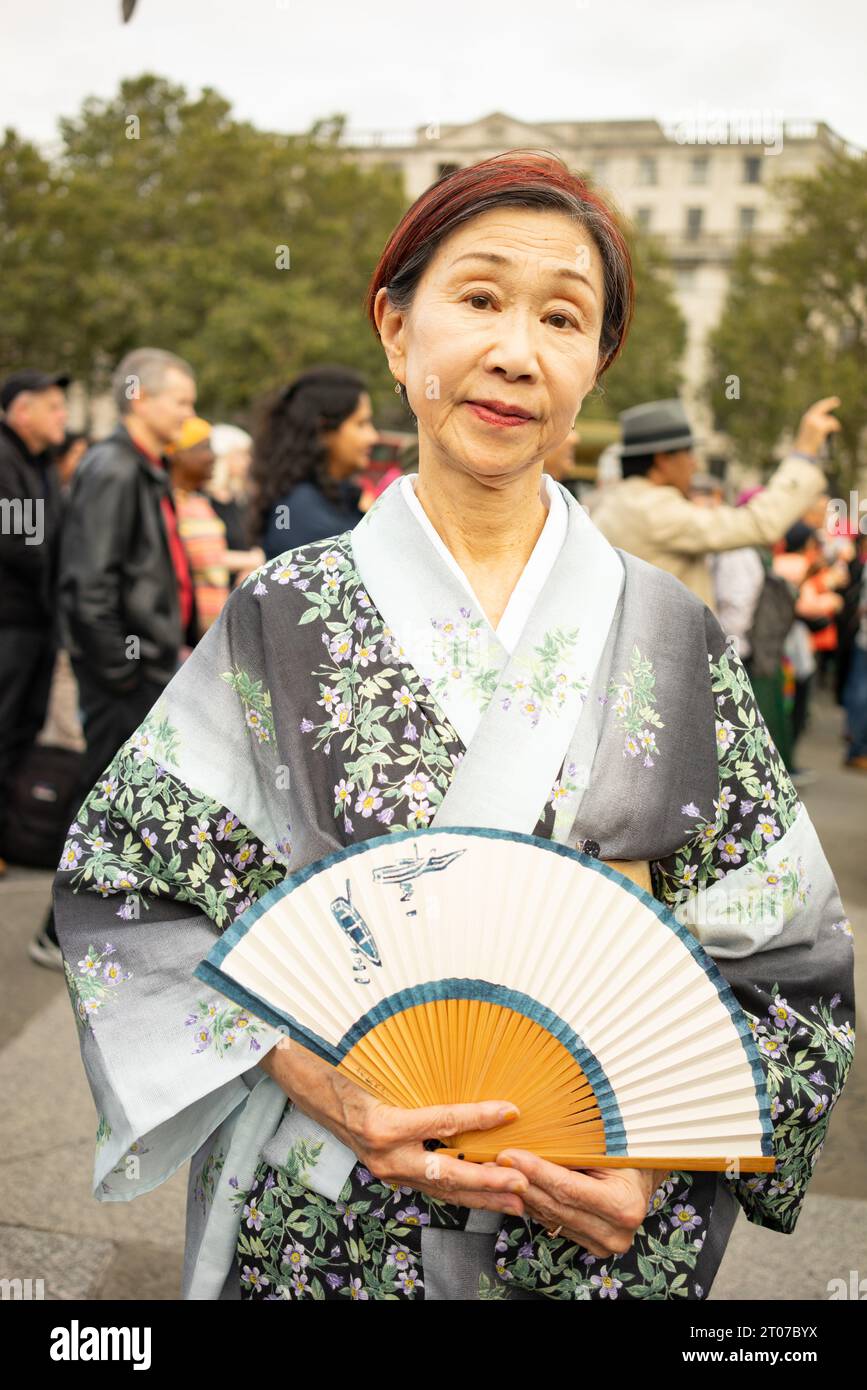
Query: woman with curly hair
[[311, 437]]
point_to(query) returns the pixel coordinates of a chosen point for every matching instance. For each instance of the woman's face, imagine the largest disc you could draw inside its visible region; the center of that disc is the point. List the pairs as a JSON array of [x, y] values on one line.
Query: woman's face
[[509, 310], [349, 446], [196, 464]]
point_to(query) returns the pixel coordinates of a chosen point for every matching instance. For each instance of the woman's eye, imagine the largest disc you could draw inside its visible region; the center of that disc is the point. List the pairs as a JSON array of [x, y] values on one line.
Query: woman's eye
[[566, 320], [485, 297]]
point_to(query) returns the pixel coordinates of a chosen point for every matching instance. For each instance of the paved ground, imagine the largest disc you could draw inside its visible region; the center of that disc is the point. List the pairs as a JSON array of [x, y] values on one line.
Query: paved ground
[[82, 1248]]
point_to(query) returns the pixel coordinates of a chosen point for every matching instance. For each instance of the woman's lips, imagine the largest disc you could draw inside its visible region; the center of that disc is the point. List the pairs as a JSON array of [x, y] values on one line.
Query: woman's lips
[[491, 417]]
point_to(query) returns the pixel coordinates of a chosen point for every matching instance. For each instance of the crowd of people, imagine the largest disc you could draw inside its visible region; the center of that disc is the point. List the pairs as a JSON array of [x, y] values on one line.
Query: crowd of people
[[118, 555]]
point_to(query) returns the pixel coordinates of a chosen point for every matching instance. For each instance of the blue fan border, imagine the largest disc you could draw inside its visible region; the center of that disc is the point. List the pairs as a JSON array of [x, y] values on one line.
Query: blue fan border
[[210, 973]]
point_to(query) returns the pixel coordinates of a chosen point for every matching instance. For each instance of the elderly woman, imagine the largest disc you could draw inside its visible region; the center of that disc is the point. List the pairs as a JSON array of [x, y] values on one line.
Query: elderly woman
[[339, 697]]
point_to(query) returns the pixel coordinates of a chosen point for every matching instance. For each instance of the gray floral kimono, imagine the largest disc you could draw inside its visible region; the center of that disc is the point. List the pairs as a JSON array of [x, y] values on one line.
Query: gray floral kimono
[[352, 688]]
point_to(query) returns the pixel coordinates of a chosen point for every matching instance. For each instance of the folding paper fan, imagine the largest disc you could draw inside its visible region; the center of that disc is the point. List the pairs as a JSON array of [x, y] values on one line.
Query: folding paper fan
[[464, 964]]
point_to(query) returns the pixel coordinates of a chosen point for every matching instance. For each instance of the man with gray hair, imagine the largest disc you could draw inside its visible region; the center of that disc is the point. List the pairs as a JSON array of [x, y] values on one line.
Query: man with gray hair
[[125, 591]]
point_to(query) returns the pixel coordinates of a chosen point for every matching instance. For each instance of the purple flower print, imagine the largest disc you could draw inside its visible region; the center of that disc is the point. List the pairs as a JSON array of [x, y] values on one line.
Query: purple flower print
[[526, 1251], [356, 1291], [295, 1256], [411, 1216], [334, 1280], [685, 1217], [364, 1176], [253, 1215], [253, 1278], [408, 1280], [306, 726], [780, 1013], [348, 1216], [818, 1078], [819, 1109], [607, 1285], [70, 856]]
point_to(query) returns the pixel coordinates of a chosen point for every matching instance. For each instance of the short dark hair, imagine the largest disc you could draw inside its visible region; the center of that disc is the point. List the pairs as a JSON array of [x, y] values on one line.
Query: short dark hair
[[637, 465]]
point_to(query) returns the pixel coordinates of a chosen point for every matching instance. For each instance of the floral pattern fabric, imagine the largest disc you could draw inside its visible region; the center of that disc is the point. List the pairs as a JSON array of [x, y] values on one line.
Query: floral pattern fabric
[[379, 753]]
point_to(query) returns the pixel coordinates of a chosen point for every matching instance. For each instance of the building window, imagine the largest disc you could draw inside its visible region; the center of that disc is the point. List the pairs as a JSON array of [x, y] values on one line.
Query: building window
[[747, 218], [752, 169], [646, 169], [699, 165], [694, 219], [684, 279], [643, 218]]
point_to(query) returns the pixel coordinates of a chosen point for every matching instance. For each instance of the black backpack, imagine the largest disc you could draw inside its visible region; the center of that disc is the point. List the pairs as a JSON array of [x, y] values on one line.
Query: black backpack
[[772, 619], [39, 806]]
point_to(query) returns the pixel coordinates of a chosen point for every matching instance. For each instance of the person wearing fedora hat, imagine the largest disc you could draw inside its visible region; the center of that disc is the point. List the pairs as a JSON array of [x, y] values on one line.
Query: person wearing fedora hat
[[33, 424], [650, 513]]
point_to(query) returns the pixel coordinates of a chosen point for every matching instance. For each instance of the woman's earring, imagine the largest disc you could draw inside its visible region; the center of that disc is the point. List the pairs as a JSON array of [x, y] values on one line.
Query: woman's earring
[[397, 388]]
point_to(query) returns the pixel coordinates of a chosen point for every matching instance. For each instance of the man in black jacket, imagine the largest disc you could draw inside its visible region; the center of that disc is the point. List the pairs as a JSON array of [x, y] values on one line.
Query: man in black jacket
[[34, 422], [125, 590]]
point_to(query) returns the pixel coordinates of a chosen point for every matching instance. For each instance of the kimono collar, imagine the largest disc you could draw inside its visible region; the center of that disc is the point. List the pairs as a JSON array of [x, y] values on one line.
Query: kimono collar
[[515, 712], [536, 570]]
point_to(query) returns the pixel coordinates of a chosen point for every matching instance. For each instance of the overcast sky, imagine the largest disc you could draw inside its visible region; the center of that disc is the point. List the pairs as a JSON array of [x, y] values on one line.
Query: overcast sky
[[390, 65]]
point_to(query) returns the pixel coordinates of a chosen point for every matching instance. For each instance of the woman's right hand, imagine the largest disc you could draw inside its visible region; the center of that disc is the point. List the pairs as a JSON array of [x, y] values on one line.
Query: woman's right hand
[[388, 1140]]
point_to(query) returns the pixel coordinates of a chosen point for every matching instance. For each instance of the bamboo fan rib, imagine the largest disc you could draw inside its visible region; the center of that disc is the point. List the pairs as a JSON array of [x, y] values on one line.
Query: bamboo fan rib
[[434, 967]]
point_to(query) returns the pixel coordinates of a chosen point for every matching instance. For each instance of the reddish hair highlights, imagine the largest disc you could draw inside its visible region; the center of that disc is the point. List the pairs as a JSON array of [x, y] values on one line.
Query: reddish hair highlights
[[518, 178]]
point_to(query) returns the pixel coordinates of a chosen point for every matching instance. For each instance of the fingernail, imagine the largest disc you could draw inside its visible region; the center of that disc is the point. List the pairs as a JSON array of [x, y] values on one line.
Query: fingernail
[[509, 1114], [506, 1163], [519, 1188]]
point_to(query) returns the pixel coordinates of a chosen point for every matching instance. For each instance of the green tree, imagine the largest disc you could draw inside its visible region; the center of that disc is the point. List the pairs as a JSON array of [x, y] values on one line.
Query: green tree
[[648, 369], [794, 327], [165, 221]]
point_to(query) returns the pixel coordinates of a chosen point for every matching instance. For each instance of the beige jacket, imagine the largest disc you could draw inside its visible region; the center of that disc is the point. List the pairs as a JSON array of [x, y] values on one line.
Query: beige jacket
[[661, 526]]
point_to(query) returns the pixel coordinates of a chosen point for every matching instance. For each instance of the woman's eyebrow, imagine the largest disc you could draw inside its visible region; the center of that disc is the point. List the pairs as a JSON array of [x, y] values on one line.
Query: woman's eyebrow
[[566, 272]]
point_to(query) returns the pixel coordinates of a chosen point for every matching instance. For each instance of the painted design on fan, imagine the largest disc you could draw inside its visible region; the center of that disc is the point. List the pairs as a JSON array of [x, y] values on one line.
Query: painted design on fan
[[407, 869], [350, 921]]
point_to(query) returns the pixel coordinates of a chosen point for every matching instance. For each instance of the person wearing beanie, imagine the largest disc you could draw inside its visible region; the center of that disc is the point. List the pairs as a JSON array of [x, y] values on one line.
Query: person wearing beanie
[[191, 460]]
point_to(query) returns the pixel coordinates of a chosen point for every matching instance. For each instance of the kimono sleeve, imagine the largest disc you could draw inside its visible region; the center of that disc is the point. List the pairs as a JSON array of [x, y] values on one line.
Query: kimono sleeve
[[179, 836], [755, 888]]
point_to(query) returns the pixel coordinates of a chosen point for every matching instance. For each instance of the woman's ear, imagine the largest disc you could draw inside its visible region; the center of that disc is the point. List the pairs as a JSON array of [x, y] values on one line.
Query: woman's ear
[[390, 323]]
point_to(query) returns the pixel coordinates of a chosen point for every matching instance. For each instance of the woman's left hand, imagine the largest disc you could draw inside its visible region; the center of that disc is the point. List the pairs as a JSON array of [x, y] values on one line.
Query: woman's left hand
[[597, 1208]]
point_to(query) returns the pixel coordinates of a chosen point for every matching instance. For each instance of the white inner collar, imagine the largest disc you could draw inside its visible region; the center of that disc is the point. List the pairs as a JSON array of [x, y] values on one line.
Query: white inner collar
[[536, 571]]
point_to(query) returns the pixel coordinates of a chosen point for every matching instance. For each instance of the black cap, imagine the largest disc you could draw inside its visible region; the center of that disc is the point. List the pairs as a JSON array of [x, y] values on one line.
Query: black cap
[[30, 381]]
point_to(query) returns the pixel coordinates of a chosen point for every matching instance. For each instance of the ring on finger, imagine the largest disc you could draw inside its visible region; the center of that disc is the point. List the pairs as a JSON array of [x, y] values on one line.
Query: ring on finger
[[555, 1232]]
